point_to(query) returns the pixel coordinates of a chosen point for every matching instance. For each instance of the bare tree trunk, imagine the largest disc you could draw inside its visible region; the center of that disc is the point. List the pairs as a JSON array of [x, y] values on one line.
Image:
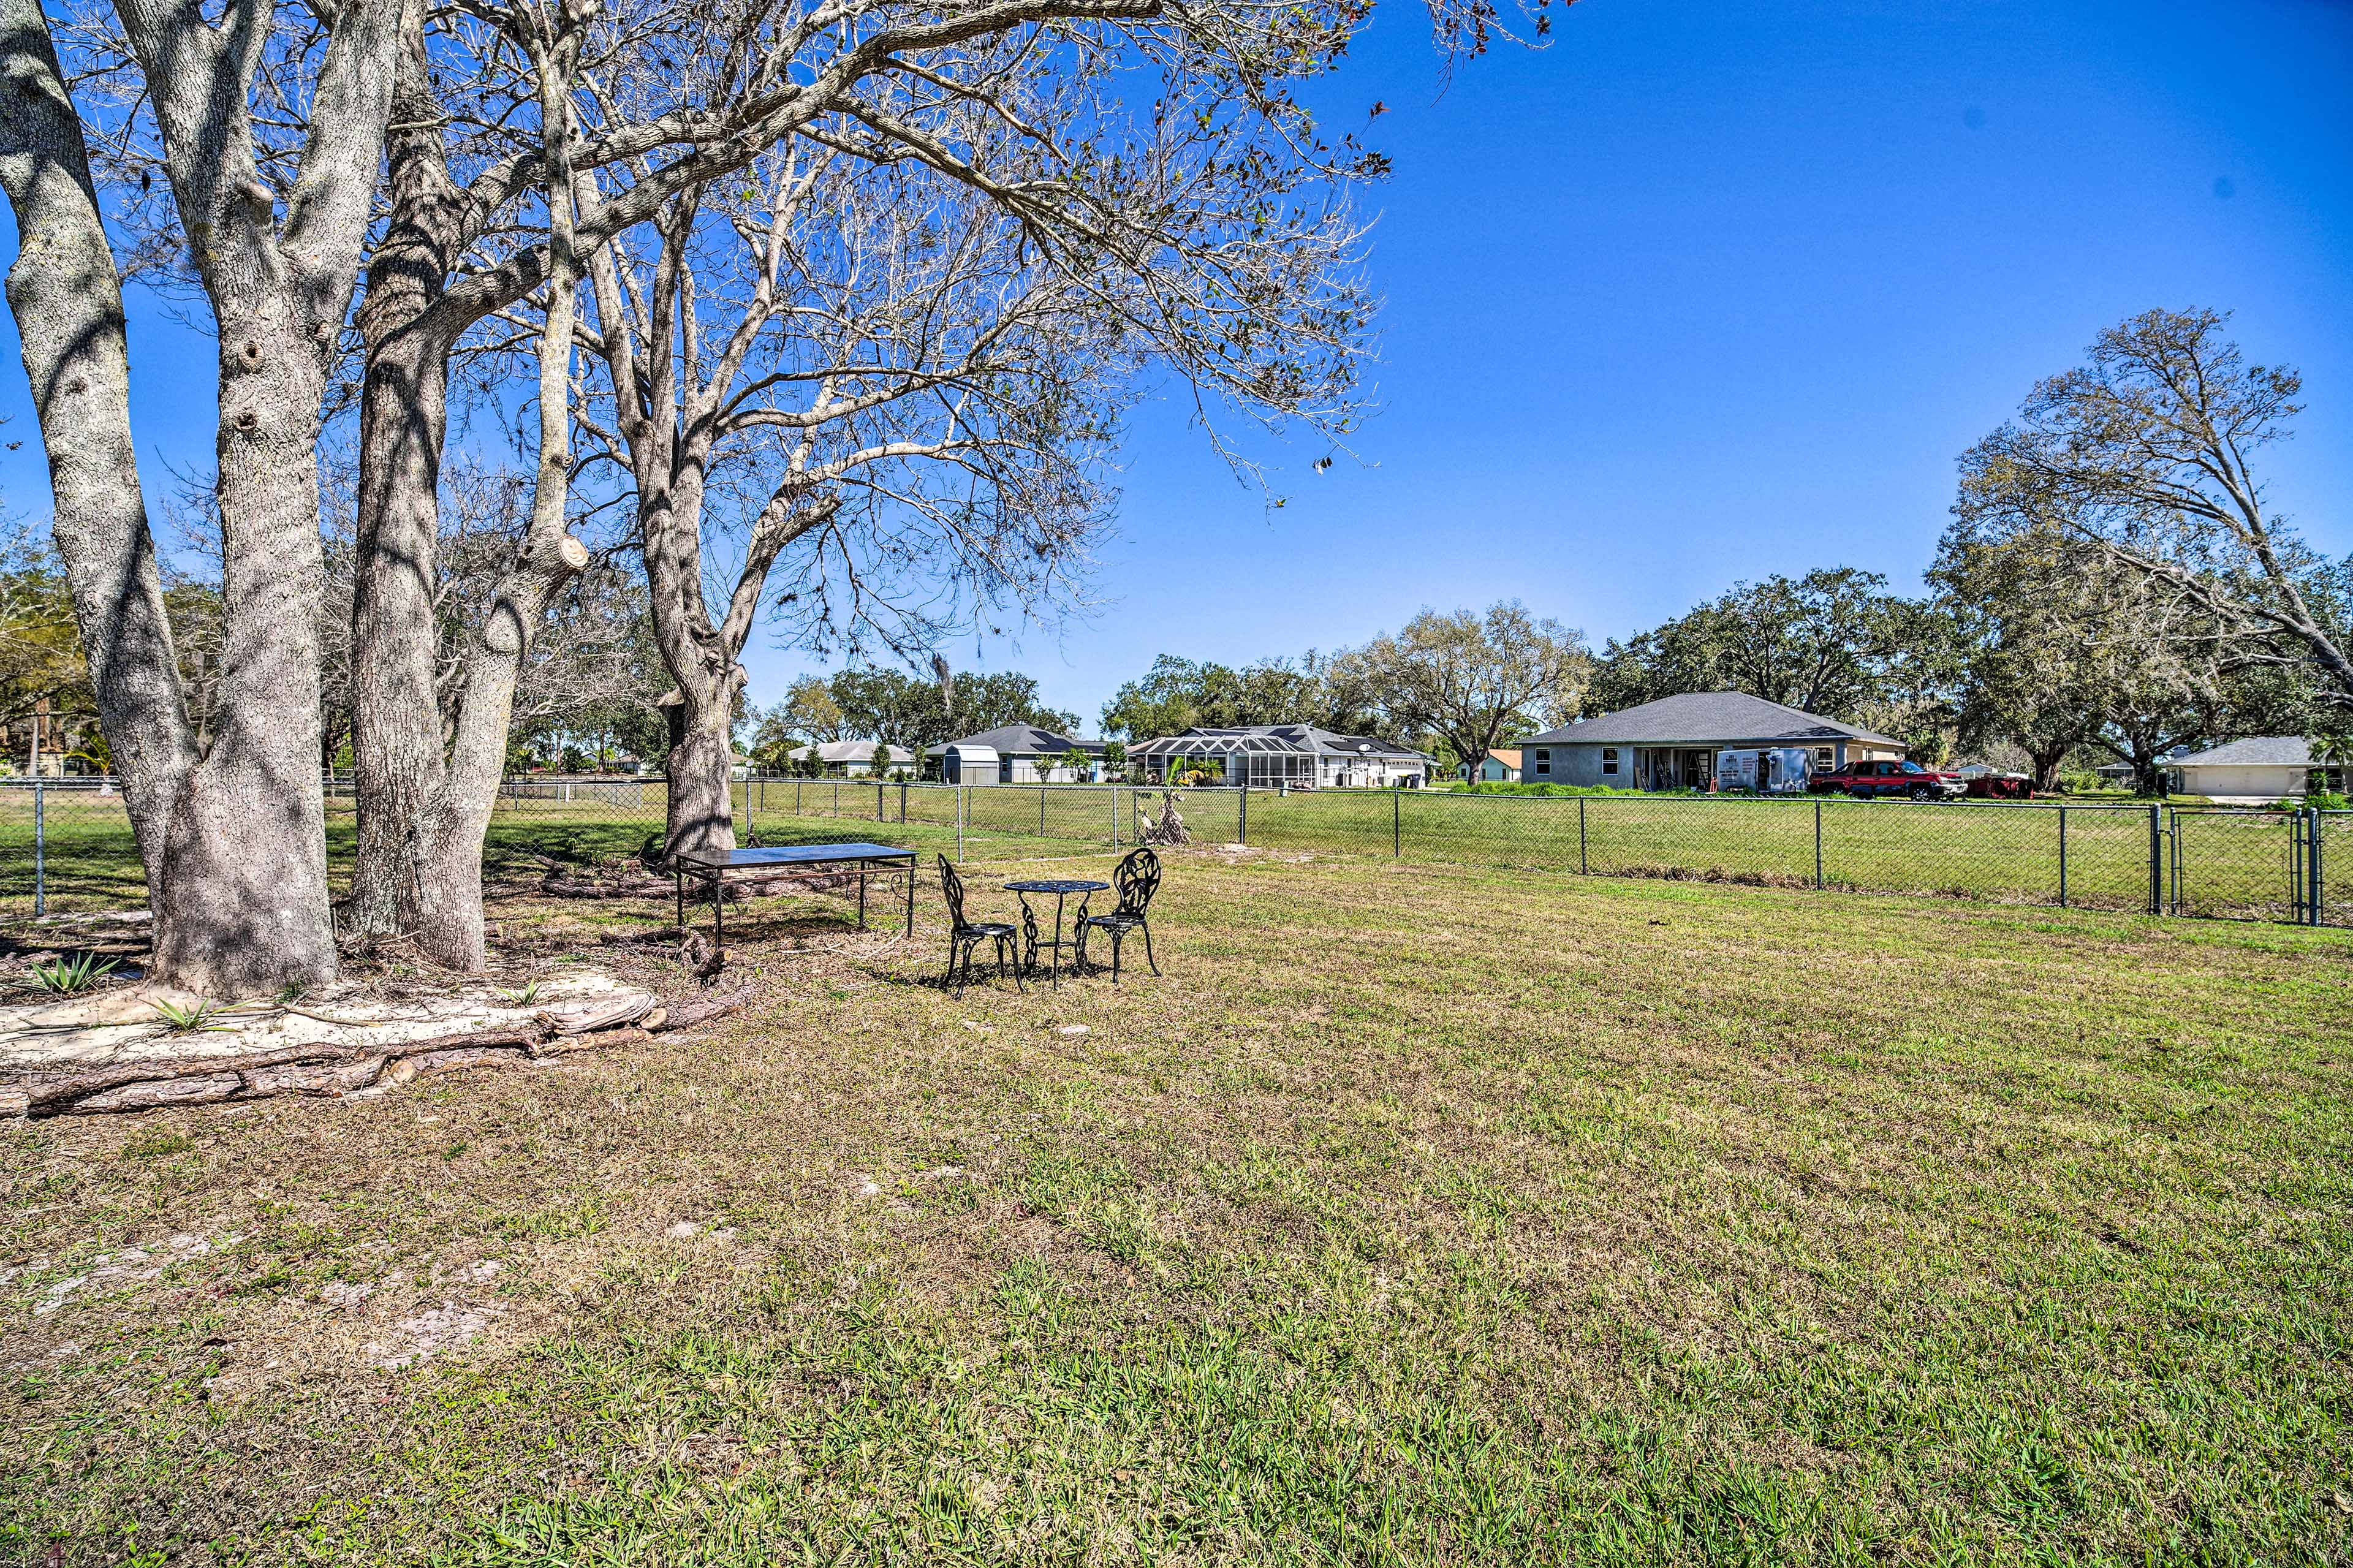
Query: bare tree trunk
[[245, 857], [2044, 757], [67, 304], [702, 658], [2142, 749], [451, 929], [702, 707], [396, 734], [398, 765], [424, 800], [234, 840], [701, 816]]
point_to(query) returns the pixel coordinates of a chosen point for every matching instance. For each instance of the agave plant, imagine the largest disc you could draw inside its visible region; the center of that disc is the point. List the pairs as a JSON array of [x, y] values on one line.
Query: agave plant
[[66, 975], [195, 1018]]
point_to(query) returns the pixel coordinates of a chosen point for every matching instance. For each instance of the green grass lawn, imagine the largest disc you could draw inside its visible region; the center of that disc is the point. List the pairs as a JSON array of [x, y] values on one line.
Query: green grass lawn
[[1421, 1215], [2231, 864]]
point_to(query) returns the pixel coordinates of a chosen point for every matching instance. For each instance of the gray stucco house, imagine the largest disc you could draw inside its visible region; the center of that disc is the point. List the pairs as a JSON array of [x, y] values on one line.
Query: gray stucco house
[[1012, 754], [1672, 744], [851, 759], [2256, 770]]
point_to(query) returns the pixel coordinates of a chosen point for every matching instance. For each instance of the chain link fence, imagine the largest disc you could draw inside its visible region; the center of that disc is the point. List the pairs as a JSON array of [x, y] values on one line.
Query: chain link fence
[[66, 845]]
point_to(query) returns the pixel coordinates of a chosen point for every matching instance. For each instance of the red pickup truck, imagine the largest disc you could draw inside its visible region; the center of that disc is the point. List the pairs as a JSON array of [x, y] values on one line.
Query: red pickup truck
[[1864, 780]]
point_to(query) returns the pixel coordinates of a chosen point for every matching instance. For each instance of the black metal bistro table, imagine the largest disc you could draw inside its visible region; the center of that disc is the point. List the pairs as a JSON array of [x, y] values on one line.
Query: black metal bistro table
[[1061, 889], [864, 861]]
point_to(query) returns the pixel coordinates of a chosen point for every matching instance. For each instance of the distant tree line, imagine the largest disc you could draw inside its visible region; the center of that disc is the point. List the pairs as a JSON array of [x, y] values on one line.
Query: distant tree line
[[2113, 585], [1457, 683], [891, 707]]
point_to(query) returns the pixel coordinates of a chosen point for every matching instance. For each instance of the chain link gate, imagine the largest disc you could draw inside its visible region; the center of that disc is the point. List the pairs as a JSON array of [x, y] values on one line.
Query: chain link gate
[[2249, 863]]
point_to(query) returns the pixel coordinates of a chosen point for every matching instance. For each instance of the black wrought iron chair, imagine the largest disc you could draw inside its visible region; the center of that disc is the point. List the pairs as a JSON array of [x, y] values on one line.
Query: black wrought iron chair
[[965, 935], [1138, 878]]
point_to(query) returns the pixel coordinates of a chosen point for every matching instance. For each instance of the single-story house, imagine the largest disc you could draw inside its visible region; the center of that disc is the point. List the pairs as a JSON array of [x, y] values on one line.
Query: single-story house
[[2256, 771], [1013, 754], [1501, 766], [1672, 744], [851, 759], [1292, 756]]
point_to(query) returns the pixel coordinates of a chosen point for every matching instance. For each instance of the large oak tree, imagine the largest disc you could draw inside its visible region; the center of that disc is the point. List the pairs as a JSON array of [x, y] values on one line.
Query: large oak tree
[[2146, 457], [230, 825]]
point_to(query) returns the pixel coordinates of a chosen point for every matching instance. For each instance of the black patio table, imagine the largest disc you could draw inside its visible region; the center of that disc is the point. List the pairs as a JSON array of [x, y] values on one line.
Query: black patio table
[[1062, 888], [864, 861]]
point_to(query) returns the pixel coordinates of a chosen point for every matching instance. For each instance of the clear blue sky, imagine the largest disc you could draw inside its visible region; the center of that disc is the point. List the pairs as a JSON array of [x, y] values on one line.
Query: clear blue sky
[[1702, 292]]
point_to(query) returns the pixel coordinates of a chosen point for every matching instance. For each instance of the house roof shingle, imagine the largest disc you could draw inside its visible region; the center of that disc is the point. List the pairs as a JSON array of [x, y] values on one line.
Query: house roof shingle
[[853, 752], [1705, 719], [2256, 751], [1017, 740]]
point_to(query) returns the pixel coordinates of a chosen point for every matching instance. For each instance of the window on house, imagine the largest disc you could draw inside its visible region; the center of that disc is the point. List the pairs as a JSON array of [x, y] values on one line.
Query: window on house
[[1822, 758], [1609, 759], [1544, 762]]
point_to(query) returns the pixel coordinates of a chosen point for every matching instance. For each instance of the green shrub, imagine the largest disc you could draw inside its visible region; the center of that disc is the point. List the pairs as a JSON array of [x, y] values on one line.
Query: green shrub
[[76, 972]]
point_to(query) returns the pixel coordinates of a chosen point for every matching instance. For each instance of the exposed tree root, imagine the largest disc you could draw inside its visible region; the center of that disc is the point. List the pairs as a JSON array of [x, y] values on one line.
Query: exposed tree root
[[331, 1070]]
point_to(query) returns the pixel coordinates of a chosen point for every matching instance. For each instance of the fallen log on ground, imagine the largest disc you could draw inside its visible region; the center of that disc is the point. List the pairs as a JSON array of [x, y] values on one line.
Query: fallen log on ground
[[331, 1070], [687, 1014]]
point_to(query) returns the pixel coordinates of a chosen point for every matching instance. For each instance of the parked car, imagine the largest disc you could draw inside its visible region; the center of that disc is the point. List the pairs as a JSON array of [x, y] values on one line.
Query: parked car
[[1865, 780], [2000, 786]]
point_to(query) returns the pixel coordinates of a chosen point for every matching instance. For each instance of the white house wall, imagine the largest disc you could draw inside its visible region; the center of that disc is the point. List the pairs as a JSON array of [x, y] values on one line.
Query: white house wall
[[2239, 784]]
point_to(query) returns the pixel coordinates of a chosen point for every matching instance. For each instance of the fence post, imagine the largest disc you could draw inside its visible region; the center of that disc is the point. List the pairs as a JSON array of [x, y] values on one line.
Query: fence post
[[1581, 835], [1114, 817], [40, 851], [1818, 843], [1041, 811], [1241, 817], [2319, 871], [2062, 856], [902, 800], [1397, 825], [2173, 860], [751, 826], [959, 789], [2312, 897], [2155, 860]]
